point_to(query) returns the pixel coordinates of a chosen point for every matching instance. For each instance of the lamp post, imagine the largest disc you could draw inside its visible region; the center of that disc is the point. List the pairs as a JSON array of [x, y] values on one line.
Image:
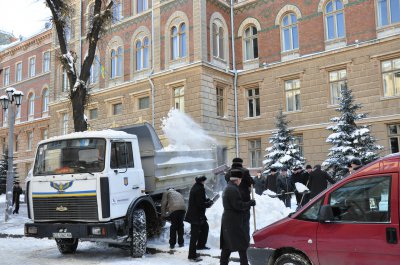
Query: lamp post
[[13, 96]]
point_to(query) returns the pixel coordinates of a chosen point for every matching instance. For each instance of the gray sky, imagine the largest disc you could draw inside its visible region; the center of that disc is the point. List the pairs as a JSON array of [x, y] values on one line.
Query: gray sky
[[23, 17]]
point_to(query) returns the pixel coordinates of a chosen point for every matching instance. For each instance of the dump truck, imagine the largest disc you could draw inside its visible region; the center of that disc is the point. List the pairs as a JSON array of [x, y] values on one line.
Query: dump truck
[[107, 186]]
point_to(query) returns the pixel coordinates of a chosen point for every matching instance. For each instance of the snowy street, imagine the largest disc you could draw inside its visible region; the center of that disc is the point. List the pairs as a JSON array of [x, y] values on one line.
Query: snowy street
[[17, 249]]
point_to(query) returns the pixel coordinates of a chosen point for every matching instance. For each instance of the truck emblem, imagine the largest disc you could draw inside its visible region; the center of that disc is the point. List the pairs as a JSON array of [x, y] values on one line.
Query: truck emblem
[[61, 187], [125, 181], [61, 209]]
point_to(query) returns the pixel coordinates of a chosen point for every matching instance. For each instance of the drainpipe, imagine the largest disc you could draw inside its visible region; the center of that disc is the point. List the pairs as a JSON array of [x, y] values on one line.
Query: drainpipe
[[80, 35], [234, 83], [152, 67]]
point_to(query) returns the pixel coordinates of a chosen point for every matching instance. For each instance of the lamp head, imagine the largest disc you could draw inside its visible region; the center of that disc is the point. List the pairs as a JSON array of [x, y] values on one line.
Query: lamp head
[[18, 95], [10, 91], [4, 102]]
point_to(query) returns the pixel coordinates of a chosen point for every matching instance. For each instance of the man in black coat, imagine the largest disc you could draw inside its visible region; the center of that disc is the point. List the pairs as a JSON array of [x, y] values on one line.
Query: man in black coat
[[17, 191], [270, 182], [306, 176], [284, 187], [234, 236], [319, 181], [355, 164], [244, 187], [298, 176], [196, 216], [259, 183]]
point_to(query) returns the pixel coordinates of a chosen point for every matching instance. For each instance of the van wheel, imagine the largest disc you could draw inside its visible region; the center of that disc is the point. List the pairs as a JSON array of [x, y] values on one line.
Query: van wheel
[[291, 259], [67, 245], [138, 234]]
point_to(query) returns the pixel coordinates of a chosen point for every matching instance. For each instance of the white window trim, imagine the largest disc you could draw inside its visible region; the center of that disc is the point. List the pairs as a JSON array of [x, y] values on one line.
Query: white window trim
[[219, 19]]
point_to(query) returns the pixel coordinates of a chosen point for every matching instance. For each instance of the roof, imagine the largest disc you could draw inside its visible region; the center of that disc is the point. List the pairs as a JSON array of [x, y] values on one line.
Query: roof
[[107, 134]]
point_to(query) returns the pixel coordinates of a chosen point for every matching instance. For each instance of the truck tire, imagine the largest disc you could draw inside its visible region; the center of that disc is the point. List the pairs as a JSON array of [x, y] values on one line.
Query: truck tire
[[67, 245], [291, 259], [138, 234]]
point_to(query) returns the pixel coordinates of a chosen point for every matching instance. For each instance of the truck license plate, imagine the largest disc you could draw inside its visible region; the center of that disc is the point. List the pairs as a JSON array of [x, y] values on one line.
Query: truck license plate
[[62, 235]]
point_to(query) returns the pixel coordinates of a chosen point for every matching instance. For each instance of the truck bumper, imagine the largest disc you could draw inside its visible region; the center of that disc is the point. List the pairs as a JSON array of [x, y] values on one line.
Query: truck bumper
[[259, 256], [70, 230]]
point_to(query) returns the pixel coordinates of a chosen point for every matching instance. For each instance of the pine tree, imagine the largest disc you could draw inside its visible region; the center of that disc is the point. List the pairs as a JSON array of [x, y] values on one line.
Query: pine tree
[[348, 139], [283, 150]]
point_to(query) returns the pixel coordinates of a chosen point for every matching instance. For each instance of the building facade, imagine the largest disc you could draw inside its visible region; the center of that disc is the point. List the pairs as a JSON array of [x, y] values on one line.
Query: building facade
[[26, 66], [204, 56]]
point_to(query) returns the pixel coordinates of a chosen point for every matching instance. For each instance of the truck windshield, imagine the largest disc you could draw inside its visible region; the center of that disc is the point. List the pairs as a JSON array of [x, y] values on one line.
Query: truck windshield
[[84, 155]]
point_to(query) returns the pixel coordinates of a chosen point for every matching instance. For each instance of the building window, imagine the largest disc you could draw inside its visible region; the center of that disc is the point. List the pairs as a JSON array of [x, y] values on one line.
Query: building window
[[93, 114], [44, 134], [144, 103], [31, 104], [18, 112], [5, 117], [253, 102], [45, 100], [18, 72], [290, 36], [298, 140], [30, 140], [250, 43], [64, 123], [32, 66], [94, 70], [388, 12], [16, 143], [46, 62], [141, 6], [391, 77], [178, 41], [117, 109], [292, 92], [337, 79], [394, 137], [142, 54], [220, 102], [334, 20], [117, 12], [6, 79], [116, 62], [64, 81], [218, 40], [179, 98], [254, 149]]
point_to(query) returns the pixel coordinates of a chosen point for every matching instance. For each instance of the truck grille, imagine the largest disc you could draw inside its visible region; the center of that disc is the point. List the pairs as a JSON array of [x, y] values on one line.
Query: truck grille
[[69, 208]]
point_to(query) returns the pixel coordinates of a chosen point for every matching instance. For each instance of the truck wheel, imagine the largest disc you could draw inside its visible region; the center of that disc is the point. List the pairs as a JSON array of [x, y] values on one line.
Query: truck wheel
[[67, 245], [291, 259], [138, 234]]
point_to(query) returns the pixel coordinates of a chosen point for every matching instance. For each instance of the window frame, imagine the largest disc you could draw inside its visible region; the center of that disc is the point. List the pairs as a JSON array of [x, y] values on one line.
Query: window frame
[[334, 13], [32, 66], [249, 41], [178, 41], [45, 100], [394, 70], [64, 123], [251, 98], [179, 98], [389, 19], [394, 136], [31, 105], [6, 76], [142, 54], [18, 72], [290, 26], [254, 151], [46, 62], [144, 6], [335, 84], [220, 104], [292, 91], [29, 138], [140, 105]]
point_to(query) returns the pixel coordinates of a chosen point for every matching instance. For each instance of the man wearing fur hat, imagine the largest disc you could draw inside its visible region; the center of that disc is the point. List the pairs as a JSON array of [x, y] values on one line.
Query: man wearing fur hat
[[234, 236], [196, 216]]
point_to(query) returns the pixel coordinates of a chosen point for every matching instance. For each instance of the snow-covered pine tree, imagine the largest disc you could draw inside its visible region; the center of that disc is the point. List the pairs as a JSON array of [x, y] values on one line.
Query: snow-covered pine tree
[[348, 139], [283, 150]]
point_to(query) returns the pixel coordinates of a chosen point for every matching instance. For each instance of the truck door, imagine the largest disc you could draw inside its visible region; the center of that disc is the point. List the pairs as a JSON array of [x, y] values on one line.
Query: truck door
[[366, 223], [124, 177]]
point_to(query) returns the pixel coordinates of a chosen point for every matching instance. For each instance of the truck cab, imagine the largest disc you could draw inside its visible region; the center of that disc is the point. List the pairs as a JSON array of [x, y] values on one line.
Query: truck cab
[[356, 221]]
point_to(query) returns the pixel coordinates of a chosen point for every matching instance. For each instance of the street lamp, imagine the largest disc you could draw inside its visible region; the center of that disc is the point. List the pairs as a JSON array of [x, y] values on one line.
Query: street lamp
[[13, 96]]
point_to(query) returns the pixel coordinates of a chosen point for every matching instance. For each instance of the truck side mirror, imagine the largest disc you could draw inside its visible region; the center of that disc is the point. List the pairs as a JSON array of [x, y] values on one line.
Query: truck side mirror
[[325, 214]]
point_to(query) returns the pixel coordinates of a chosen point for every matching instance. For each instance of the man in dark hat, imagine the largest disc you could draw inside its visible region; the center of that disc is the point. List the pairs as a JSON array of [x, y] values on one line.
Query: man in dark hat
[[306, 176], [319, 181], [234, 236], [271, 179], [196, 216], [299, 177], [355, 164], [284, 187], [244, 187], [259, 182], [17, 191]]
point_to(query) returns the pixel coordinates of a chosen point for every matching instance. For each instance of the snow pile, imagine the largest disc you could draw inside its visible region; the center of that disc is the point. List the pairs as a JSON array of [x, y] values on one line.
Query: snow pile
[[183, 133]]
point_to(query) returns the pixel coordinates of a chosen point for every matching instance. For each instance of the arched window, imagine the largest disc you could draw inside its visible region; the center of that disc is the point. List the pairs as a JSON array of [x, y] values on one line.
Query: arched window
[[250, 43], [290, 36], [146, 52], [139, 58], [116, 62], [178, 41], [117, 12], [142, 54], [334, 20], [45, 100], [31, 104], [218, 41], [141, 6]]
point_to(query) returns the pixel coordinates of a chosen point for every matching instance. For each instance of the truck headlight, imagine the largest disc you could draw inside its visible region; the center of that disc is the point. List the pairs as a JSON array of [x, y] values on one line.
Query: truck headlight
[[32, 230], [98, 231]]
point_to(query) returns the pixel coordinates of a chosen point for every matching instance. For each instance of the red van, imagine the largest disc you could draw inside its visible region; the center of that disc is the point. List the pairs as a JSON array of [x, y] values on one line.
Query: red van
[[356, 221]]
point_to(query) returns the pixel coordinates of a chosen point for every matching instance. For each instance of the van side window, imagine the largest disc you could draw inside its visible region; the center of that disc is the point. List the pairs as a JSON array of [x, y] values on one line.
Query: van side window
[[121, 155], [311, 214], [363, 200]]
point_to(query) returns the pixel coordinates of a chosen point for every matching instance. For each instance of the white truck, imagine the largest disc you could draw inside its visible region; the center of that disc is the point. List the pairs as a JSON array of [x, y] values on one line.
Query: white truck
[[106, 186]]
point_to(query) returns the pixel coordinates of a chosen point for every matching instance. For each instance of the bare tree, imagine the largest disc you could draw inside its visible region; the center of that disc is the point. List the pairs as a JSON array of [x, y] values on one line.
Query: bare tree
[[62, 12]]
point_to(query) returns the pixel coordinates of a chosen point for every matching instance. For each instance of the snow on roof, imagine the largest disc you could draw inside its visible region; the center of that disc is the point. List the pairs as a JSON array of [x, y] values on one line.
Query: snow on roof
[[108, 134]]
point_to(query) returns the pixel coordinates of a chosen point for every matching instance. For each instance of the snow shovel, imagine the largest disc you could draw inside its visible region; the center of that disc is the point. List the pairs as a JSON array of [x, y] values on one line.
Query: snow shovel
[[280, 194], [254, 209]]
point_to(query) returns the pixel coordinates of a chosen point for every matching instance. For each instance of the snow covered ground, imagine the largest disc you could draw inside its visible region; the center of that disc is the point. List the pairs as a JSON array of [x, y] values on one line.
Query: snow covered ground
[[17, 250]]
